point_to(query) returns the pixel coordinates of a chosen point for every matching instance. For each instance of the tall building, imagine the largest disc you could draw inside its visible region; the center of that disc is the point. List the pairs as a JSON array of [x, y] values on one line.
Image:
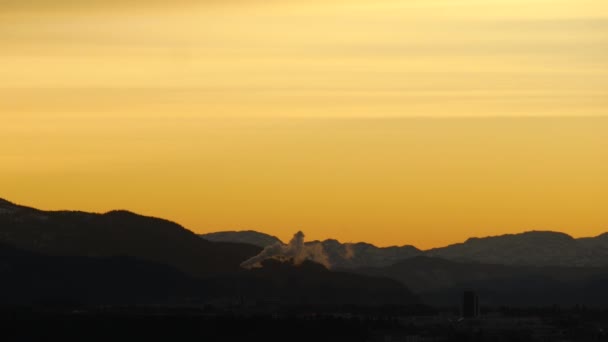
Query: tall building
[[470, 305]]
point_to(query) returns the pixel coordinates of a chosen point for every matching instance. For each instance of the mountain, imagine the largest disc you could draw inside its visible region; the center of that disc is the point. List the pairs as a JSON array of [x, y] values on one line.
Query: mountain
[[535, 248], [421, 274], [248, 236], [70, 258], [311, 284], [439, 282], [529, 269], [34, 279], [123, 258], [336, 254], [600, 242], [355, 255], [118, 233]]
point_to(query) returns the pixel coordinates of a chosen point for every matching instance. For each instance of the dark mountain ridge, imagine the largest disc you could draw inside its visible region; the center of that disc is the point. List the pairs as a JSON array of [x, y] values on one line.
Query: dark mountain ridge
[[121, 258], [34, 279], [439, 281], [246, 236], [312, 284], [118, 233], [361, 254], [339, 255], [533, 248], [55, 254]]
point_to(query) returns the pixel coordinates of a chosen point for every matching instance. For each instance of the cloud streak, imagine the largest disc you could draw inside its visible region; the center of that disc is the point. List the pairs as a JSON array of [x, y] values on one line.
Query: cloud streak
[[84, 5]]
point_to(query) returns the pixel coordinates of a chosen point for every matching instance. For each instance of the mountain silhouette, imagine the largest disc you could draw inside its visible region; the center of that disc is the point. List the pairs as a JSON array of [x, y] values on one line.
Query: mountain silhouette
[[118, 233], [34, 279], [121, 258], [41, 280], [248, 236], [312, 284], [534, 248], [529, 269], [439, 282], [354, 255], [339, 255]]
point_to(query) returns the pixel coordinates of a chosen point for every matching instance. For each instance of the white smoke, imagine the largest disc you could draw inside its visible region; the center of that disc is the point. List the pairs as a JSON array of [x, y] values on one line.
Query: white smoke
[[296, 251]]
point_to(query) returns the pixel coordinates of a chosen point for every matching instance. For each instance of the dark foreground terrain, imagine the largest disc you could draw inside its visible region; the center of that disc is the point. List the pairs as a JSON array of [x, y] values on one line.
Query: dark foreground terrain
[[119, 276], [132, 324]]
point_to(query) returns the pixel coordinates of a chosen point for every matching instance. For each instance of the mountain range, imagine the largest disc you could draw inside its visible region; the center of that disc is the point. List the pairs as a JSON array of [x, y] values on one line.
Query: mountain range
[[121, 258], [335, 254], [534, 248], [529, 269], [118, 233], [246, 236], [438, 282]]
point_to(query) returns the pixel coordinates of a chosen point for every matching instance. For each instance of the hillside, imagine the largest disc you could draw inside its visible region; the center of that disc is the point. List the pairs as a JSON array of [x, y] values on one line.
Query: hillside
[[118, 233], [248, 236]]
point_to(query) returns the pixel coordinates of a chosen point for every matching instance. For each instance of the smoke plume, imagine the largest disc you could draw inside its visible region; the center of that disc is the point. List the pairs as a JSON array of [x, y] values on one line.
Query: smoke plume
[[295, 251]]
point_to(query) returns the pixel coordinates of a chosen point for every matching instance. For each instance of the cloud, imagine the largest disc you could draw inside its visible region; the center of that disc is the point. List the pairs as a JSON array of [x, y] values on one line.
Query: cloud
[[295, 251], [53, 6]]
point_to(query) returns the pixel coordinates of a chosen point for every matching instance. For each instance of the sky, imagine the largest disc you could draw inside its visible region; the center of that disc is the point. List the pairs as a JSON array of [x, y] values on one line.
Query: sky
[[388, 121]]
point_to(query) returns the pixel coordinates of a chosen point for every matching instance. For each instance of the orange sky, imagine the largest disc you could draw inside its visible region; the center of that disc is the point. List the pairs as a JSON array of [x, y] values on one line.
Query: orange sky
[[393, 122]]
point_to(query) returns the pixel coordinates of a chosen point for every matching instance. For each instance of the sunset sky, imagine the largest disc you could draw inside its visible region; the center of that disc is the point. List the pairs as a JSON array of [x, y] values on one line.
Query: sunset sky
[[395, 122]]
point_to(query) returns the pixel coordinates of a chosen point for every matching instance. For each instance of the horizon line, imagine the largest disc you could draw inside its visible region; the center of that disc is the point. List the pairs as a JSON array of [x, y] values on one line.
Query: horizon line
[[2, 199]]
